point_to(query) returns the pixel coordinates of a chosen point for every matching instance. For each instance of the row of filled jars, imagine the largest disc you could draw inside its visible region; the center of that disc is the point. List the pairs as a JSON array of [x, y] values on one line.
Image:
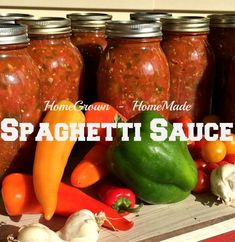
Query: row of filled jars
[[133, 67], [126, 65]]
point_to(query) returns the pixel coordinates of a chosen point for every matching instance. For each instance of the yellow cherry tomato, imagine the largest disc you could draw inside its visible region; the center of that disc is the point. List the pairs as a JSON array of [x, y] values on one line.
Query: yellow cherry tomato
[[230, 145], [213, 151]]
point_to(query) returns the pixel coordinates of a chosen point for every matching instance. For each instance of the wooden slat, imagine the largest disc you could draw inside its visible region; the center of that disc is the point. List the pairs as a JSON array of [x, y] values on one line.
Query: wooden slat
[[153, 223]]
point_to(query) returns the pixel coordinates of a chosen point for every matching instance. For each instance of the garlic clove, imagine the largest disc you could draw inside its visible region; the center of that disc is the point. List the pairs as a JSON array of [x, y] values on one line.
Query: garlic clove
[[37, 233]]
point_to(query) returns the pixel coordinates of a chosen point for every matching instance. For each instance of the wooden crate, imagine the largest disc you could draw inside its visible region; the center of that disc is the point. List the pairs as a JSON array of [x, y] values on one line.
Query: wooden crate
[[153, 223]]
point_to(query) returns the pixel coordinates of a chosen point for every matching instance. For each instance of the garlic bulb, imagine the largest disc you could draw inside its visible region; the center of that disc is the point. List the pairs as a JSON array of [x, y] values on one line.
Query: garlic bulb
[[36, 233], [79, 227], [223, 183]]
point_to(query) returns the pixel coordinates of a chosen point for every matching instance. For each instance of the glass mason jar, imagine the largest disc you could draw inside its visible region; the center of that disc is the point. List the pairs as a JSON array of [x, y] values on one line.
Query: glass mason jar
[[228, 113], [191, 63], [88, 35], [133, 71], [149, 16], [221, 38], [19, 94], [12, 17], [59, 61]]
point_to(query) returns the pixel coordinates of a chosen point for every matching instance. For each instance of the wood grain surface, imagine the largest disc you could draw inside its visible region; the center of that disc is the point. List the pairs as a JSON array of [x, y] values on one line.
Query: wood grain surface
[[154, 222]]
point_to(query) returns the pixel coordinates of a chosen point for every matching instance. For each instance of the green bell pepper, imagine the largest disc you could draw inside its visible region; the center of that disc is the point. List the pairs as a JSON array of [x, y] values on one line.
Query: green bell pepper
[[158, 172]]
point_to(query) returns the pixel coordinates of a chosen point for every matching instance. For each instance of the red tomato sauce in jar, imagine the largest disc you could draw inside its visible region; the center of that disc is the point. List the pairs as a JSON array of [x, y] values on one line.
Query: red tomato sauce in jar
[[191, 64], [19, 94], [58, 60], [88, 35], [229, 97], [133, 68], [221, 38]]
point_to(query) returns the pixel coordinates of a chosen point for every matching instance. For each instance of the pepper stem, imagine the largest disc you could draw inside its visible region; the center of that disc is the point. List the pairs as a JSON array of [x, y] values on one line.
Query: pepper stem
[[124, 205]]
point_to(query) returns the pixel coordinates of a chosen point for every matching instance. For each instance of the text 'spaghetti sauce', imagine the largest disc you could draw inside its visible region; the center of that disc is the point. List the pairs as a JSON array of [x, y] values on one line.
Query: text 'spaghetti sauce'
[[221, 38], [59, 61], [191, 63], [88, 35], [19, 94], [133, 67]]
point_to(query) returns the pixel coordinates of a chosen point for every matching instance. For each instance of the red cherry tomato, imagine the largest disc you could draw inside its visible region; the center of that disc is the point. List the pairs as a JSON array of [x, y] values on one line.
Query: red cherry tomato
[[200, 164], [222, 163], [203, 182], [184, 120], [210, 167], [191, 145], [230, 158], [197, 149]]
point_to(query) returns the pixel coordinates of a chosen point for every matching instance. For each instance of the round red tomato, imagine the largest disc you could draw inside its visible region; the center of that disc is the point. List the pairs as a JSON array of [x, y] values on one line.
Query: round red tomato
[[196, 148], [213, 151], [200, 164], [230, 158], [210, 167], [203, 182], [222, 163]]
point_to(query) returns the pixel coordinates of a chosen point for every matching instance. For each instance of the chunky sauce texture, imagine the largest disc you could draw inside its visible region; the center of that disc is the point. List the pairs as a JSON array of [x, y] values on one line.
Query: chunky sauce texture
[[222, 42], [91, 45], [60, 65], [133, 70], [19, 94], [229, 97], [191, 63]]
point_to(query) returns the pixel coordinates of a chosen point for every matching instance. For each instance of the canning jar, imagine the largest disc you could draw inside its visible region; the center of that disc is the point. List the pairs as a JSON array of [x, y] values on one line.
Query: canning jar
[[12, 17], [59, 61], [191, 63], [88, 35], [133, 74], [221, 38], [19, 94], [228, 113], [149, 16]]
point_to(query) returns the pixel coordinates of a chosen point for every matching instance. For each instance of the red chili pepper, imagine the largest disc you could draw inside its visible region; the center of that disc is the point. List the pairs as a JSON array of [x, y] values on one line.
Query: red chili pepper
[[19, 197], [123, 200]]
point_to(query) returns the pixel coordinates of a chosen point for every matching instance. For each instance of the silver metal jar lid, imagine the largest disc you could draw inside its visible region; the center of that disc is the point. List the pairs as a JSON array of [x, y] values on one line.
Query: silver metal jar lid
[[11, 17], [222, 20], [191, 24], [88, 20], [149, 15], [46, 25], [133, 29], [13, 34]]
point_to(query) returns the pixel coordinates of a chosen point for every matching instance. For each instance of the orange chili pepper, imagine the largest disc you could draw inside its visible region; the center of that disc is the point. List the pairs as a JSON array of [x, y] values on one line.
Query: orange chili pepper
[[91, 168], [51, 157], [19, 197]]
